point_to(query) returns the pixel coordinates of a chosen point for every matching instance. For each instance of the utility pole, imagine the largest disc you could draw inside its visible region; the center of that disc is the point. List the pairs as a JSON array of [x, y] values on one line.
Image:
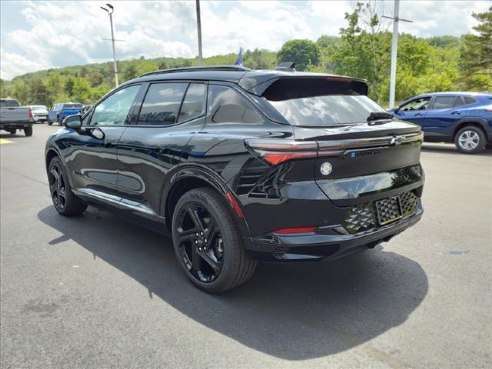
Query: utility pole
[[199, 29], [394, 49], [115, 65]]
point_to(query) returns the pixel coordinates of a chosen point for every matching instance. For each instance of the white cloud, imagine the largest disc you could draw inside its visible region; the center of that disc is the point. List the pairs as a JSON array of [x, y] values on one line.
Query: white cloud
[[59, 33]]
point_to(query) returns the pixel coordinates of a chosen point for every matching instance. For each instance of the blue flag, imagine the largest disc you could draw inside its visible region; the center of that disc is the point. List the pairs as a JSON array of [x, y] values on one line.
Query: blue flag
[[239, 59]]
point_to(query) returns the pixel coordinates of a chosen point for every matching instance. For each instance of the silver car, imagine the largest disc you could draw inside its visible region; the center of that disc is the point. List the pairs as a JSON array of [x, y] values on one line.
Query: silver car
[[39, 113]]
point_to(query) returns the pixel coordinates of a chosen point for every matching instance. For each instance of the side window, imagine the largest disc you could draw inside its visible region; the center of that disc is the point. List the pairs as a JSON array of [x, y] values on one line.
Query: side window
[[193, 103], [161, 104], [459, 101], [421, 103], [227, 105], [469, 100], [444, 102], [114, 109]]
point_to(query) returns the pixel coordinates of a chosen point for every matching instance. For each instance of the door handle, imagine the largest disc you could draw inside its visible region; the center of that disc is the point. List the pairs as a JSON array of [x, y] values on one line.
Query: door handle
[[456, 113], [419, 115]]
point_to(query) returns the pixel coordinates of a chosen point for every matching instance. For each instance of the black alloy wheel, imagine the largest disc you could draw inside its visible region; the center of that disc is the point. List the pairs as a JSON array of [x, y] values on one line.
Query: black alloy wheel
[[207, 244], [63, 199]]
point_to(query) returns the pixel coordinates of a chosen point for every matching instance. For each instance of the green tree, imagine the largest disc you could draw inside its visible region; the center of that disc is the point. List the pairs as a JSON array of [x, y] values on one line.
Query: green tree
[[301, 52], [476, 54]]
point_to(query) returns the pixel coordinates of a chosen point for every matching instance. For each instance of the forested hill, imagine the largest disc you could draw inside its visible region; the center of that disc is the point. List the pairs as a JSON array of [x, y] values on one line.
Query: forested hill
[[362, 50]]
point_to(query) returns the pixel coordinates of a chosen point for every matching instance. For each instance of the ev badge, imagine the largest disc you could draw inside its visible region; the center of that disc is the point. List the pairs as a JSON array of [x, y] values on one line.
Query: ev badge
[[326, 168]]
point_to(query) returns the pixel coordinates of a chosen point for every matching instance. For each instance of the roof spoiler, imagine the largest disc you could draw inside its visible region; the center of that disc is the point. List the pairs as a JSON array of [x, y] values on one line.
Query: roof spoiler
[[287, 66]]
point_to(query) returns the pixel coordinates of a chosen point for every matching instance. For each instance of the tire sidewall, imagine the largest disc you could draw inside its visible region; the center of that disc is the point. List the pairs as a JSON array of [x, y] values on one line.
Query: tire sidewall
[[228, 232], [481, 142]]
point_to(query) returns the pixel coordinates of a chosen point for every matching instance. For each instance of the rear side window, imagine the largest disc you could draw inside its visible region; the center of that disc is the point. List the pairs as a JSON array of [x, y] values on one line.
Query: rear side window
[[228, 105], [161, 104], [469, 100], [193, 103], [444, 102]]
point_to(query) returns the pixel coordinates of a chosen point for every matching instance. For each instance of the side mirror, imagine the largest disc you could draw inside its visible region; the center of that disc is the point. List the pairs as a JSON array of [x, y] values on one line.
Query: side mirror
[[73, 121]]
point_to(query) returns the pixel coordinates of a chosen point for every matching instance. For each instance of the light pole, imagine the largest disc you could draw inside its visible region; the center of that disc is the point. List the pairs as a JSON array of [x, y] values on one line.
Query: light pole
[[394, 48], [199, 28], [110, 13]]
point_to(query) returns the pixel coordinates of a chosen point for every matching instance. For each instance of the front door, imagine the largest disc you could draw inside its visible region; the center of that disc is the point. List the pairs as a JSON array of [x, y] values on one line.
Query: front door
[[92, 159]]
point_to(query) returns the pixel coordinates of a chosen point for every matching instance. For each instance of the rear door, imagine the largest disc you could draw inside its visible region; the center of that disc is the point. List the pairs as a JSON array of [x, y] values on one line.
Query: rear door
[[92, 153], [441, 115], [151, 149]]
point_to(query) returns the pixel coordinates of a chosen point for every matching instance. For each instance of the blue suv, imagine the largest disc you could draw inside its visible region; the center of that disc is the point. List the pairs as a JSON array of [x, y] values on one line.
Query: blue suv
[[62, 110], [464, 118]]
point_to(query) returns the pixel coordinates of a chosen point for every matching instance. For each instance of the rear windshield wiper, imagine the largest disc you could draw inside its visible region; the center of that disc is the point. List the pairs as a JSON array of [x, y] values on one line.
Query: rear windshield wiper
[[378, 115]]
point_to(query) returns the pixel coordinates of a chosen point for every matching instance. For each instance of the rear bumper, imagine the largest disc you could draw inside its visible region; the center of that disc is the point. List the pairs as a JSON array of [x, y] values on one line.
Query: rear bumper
[[22, 125], [325, 243]]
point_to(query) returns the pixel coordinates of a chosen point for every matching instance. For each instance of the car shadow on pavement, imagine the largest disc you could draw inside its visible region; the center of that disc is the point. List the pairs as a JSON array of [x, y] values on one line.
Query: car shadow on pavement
[[451, 149], [290, 311]]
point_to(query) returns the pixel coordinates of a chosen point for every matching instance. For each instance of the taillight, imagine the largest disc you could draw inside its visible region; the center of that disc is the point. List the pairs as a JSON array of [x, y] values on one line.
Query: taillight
[[275, 151], [30, 114], [294, 230]]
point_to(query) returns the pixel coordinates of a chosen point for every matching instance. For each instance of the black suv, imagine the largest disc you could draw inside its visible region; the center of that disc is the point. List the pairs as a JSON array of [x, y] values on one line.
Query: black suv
[[243, 165]]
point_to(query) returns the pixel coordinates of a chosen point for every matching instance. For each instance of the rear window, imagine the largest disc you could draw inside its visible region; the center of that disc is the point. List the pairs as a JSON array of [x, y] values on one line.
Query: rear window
[[8, 103], [325, 101], [72, 106]]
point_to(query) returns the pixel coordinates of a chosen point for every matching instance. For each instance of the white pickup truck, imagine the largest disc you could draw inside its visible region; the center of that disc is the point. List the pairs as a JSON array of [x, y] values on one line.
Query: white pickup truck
[[14, 117]]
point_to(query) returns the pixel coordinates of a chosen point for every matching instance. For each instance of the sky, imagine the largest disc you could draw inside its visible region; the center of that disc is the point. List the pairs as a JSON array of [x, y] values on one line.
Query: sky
[[39, 35]]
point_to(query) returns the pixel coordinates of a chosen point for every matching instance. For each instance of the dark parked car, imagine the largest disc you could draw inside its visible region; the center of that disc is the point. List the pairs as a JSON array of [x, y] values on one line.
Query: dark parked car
[[464, 118], [242, 165], [61, 110]]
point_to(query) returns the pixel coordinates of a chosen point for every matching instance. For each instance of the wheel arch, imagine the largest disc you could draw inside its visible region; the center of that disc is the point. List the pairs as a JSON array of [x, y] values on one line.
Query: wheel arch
[[193, 177], [475, 122], [50, 154]]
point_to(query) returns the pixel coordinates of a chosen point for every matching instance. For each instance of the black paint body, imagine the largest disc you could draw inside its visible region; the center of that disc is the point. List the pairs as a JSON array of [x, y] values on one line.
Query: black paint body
[[141, 171]]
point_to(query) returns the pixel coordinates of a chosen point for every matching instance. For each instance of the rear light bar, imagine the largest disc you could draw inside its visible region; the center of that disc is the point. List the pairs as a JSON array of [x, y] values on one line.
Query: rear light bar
[[277, 151], [294, 230]]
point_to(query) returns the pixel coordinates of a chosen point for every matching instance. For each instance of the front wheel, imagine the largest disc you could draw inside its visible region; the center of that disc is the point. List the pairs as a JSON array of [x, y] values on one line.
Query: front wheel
[[28, 131], [65, 202], [207, 243], [470, 140]]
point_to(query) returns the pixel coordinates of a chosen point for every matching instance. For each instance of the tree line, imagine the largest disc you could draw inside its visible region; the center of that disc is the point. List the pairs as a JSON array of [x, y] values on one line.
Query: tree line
[[362, 49]]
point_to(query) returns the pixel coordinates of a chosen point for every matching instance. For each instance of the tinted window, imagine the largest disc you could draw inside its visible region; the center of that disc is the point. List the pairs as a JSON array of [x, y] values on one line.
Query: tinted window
[[193, 103], [227, 105], [421, 103], [469, 100], [459, 101], [72, 106], [161, 104], [444, 102], [114, 109], [8, 103], [326, 110]]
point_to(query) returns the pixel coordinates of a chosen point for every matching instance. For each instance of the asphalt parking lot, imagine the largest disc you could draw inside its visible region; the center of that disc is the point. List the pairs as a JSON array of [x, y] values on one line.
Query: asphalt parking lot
[[96, 291]]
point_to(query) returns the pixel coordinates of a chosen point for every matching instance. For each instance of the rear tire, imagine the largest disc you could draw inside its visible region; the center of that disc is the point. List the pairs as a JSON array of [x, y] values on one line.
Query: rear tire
[[28, 131], [470, 140], [207, 244], [50, 122], [65, 202]]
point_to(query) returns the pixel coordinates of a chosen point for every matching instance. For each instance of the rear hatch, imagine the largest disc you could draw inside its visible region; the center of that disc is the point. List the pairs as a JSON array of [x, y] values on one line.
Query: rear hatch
[[359, 150]]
